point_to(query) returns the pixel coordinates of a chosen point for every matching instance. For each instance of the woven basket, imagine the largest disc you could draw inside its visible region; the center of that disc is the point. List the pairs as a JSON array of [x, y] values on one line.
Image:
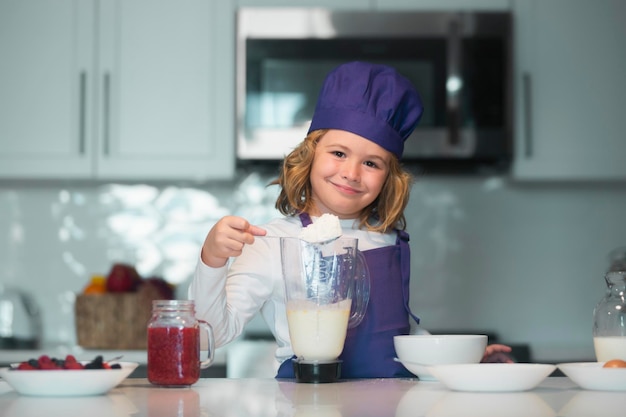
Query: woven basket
[[114, 320]]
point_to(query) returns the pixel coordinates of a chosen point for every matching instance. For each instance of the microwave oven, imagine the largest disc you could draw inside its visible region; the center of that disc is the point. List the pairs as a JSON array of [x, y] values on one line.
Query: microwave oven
[[460, 63]]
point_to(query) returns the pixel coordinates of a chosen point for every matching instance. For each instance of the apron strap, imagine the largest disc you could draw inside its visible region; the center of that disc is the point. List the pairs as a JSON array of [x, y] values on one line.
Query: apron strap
[[405, 262], [305, 219]]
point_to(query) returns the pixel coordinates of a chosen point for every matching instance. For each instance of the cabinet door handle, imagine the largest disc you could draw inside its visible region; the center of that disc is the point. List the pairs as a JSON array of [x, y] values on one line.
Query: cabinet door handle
[[82, 97], [106, 121], [528, 118], [454, 82]]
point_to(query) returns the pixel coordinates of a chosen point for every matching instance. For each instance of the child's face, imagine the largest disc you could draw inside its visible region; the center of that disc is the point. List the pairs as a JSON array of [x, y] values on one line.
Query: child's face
[[348, 173]]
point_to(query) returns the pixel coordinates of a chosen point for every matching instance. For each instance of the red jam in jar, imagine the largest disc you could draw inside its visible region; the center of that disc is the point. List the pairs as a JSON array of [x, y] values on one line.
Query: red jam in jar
[[174, 344], [173, 355]]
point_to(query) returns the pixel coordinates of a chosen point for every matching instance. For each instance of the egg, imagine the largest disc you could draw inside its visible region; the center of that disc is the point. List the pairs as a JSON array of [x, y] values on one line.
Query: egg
[[615, 363]]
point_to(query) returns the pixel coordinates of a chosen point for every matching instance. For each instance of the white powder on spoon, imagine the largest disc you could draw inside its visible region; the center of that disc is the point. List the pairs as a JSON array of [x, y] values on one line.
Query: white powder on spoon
[[324, 228]]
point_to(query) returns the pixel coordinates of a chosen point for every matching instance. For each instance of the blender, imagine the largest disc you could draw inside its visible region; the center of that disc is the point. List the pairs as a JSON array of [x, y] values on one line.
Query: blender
[[327, 287]]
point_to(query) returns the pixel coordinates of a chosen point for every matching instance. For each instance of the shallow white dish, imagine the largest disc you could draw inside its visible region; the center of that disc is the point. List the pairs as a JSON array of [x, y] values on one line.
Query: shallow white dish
[[592, 376], [492, 377], [65, 383]]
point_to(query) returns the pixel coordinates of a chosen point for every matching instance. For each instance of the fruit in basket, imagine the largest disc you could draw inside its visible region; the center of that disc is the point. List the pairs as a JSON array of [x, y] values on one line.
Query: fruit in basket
[[117, 319], [615, 363], [122, 278], [158, 288], [97, 285]]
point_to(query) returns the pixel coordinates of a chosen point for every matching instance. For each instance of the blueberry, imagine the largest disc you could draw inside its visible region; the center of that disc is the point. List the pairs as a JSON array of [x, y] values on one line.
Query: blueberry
[[97, 363]]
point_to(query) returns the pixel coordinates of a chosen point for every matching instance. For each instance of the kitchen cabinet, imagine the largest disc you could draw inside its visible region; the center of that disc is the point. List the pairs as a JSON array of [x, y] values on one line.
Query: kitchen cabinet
[[45, 49], [115, 90], [570, 90]]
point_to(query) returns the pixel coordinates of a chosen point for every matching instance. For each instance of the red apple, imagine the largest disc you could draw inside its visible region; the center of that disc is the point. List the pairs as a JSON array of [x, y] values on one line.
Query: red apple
[[122, 278], [161, 287]]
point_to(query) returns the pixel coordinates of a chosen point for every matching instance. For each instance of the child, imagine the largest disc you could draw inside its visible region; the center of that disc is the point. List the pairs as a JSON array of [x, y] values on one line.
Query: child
[[349, 166]]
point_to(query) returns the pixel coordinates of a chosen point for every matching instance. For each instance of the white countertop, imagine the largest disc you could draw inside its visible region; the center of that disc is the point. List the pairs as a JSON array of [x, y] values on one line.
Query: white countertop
[[556, 396]]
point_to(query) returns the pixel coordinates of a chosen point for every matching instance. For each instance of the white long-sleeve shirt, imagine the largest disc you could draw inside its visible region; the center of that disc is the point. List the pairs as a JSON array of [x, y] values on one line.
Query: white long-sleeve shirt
[[230, 296]]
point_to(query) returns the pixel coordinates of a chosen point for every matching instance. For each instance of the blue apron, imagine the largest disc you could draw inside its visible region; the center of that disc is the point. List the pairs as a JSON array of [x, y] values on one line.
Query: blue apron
[[368, 351]]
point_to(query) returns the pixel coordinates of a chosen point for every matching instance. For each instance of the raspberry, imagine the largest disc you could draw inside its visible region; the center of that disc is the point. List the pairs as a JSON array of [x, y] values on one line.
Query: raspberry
[[44, 359], [45, 363], [26, 366], [70, 358], [73, 365]]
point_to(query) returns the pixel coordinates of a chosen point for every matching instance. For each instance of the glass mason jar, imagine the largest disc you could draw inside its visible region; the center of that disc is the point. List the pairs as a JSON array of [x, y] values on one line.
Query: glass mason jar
[[174, 344], [609, 319]]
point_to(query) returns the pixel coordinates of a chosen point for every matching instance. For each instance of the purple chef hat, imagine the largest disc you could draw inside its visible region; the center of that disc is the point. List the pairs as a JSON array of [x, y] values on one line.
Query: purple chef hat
[[370, 100]]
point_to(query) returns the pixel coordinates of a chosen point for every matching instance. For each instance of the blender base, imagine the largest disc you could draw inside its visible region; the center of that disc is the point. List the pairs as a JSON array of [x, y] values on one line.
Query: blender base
[[316, 372]]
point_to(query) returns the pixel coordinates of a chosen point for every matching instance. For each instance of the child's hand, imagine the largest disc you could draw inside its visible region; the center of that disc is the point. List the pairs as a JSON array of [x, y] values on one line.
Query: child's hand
[[497, 353], [227, 238]]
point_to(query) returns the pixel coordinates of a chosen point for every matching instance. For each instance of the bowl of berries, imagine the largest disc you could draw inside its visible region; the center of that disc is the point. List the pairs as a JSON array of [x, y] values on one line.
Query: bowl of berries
[[51, 377]]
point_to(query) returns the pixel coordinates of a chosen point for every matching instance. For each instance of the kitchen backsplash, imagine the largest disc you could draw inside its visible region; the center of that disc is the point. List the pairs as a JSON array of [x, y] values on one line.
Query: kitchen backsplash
[[525, 261]]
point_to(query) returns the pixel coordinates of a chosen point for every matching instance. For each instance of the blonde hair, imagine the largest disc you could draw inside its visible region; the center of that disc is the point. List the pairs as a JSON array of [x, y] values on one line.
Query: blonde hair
[[382, 215]]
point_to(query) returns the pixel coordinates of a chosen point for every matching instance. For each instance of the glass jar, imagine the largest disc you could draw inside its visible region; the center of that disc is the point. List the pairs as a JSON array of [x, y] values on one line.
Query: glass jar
[[609, 319], [174, 344]]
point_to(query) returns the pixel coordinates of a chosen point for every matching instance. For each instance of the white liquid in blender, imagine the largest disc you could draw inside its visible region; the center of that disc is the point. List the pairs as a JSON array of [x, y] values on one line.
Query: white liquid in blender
[[610, 347], [317, 332]]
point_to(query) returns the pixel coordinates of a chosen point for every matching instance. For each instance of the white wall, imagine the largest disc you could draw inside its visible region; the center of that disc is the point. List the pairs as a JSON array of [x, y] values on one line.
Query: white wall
[[524, 260]]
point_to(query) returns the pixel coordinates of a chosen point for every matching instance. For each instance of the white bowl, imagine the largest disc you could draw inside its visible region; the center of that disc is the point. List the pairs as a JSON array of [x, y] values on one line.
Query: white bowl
[[65, 382], [417, 352], [492, 377], [592, 376]]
